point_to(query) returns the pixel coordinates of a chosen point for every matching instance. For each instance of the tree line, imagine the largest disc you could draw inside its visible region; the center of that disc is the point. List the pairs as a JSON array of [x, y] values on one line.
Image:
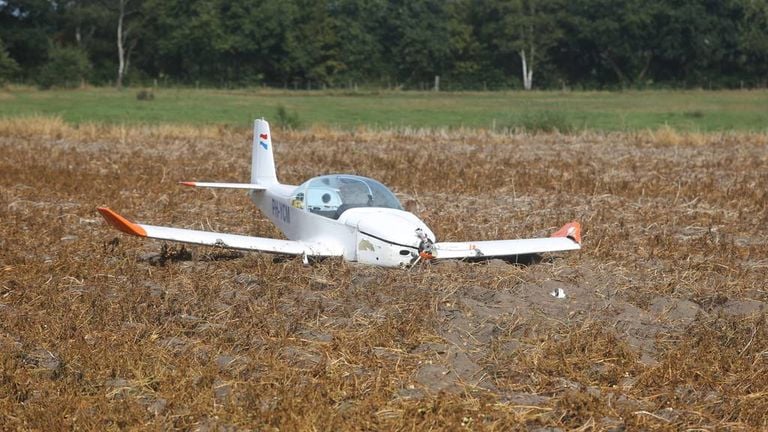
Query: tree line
[[468, 44]]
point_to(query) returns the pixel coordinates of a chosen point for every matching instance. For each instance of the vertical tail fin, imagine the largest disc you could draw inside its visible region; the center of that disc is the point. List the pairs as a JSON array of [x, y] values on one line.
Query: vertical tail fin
[[263, 161]]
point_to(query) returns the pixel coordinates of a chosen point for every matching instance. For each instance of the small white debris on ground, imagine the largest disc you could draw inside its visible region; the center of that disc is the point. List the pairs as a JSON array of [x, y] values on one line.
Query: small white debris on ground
[[558, 293]]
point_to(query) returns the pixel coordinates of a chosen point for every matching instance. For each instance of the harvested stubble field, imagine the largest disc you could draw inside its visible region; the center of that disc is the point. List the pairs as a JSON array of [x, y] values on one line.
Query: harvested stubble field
[[664, 326]]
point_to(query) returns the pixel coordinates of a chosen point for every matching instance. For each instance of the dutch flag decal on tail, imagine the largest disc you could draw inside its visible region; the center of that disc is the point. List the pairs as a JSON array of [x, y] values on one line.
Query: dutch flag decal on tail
[[263, 162]]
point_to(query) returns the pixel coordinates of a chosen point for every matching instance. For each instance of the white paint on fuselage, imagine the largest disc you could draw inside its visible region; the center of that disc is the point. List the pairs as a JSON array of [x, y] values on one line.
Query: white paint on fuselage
[[396, 231], [304, 226]]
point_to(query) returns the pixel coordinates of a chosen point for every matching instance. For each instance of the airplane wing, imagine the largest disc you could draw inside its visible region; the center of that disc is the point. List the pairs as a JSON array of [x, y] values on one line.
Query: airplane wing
[[230, 241], [248, 186], [565, 239]]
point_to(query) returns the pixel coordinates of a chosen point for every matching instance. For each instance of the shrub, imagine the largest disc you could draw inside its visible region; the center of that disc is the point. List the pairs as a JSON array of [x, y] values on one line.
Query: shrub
[[287, 119], [544, 121], [66, 67], [8, 66], [145, 95], [694, 114]]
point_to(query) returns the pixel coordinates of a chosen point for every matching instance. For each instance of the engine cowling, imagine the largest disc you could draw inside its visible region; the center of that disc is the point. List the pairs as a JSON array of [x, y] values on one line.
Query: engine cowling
[[386, 237]]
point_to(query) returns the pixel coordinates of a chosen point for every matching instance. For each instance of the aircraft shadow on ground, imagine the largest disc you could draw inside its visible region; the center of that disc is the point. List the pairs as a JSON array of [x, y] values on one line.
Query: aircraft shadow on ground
[[171, 253]]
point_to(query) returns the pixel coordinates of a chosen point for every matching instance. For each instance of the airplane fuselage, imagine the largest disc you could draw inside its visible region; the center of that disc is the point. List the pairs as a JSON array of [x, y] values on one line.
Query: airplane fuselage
[[370, 235]]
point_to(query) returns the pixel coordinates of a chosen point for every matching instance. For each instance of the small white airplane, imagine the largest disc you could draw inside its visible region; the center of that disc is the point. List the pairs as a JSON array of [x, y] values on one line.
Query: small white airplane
[[340, 215]]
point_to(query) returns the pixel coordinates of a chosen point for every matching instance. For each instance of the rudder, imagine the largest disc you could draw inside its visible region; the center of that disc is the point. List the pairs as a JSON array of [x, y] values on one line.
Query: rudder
[[263, 161]]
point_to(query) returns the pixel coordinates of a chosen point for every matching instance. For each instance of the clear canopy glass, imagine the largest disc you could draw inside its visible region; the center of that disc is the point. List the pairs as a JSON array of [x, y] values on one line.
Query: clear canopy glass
[[331, 195]]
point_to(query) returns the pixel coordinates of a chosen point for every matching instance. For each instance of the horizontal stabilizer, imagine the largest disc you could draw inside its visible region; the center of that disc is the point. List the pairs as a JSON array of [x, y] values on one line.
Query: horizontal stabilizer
[[207, 238], [246, 186]]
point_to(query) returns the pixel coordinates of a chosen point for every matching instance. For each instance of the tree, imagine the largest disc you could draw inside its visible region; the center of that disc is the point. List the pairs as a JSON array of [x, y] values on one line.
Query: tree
[[695, 41], [521, 29], [83, 23], [358, 27], [468, 43], [26, 28], [8, 66], [127, 18], [612, 41], [312, 44], [66, 67], [753, 40], [255, 33], [421, 36], [202, 40], [125, 37], [531, 27]]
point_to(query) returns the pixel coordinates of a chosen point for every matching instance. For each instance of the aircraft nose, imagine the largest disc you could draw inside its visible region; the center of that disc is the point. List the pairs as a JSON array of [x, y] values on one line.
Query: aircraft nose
[[393, 226]]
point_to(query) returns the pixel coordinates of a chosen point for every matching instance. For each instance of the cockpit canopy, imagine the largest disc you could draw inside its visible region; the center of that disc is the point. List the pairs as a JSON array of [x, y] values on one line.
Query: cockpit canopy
[[331, 195]]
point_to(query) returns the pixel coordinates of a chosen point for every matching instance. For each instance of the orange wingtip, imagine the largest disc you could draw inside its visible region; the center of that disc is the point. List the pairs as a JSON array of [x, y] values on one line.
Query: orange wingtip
[[571, 230], [193, 184], [121, 223]]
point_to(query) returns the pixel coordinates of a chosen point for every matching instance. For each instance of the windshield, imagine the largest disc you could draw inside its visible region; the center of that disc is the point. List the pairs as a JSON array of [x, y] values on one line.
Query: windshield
[[331, 195]]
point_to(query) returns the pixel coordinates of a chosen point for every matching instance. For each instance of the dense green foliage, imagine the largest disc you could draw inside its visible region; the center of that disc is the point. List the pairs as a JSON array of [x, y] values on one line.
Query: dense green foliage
[[8, 66], [66, 67], [470, 44]]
